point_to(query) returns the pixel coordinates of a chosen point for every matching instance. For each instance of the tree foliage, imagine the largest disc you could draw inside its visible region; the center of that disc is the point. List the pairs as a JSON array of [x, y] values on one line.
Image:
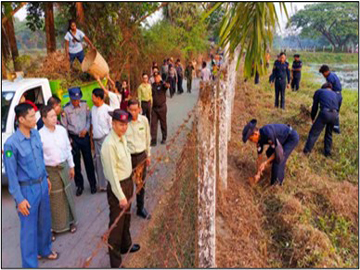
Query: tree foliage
[[336, 21], [249, 25]]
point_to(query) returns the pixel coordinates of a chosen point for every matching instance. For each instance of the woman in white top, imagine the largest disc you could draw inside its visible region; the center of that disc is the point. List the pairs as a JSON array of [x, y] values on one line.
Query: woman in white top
[[60, 168], [73, 43]]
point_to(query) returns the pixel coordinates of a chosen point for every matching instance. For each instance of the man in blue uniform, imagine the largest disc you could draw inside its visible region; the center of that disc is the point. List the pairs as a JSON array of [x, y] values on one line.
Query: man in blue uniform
[[76, 120], [29, 185], [296, 73], [276, 135], [327, 117], [336, 87], [281, 76]]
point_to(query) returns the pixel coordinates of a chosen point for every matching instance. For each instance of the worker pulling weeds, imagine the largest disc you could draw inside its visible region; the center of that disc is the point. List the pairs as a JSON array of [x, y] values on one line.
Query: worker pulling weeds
[[282, 140]]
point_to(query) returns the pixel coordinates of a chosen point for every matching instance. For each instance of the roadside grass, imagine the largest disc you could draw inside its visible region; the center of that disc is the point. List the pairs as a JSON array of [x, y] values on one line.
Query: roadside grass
[[312, 220], [323, 57]]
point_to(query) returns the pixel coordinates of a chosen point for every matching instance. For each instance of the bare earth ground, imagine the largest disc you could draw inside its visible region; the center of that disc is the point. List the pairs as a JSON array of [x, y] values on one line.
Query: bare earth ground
[[92, 210], [312, 221]]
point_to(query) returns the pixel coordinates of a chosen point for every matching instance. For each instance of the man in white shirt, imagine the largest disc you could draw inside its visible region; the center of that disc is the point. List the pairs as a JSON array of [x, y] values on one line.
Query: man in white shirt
[[60, 167], [205, 73], [101, 125], [138, 139]]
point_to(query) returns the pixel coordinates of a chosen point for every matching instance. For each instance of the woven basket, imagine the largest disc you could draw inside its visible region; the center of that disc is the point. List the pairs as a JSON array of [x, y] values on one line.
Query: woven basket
[[95, 65]]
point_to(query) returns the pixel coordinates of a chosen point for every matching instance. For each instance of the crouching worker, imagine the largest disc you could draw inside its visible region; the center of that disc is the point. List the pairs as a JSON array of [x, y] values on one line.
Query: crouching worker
[[282, 140], [326, 118]]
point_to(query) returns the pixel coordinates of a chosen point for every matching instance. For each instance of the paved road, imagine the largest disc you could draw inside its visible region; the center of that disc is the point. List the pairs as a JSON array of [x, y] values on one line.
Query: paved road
[[92, 210]]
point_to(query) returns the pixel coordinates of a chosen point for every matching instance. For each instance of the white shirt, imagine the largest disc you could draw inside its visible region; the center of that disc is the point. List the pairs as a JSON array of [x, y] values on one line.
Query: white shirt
[[115, 100], [205, 74], [74, 46], [101, 121], [56, 146]]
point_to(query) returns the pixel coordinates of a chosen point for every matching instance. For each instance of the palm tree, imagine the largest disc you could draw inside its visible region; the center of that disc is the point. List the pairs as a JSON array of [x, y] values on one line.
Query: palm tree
[[249, 25]]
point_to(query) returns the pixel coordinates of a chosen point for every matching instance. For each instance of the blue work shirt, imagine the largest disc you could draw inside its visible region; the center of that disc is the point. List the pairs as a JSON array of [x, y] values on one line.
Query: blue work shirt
[[327, 99], [23, 160], [269, 133], [334, 80], [280, 72], [297, 65]]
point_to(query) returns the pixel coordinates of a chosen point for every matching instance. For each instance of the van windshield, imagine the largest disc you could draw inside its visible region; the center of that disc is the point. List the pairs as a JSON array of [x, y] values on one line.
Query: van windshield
[[6, 99]]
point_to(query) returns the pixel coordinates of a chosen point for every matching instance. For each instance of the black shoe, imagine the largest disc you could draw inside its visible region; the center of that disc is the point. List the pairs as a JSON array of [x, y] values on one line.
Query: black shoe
[[336, 130], [153, 143], [143, 213], [93, 190], [79, 191], [134, 248], [327, 154], [163, 141]]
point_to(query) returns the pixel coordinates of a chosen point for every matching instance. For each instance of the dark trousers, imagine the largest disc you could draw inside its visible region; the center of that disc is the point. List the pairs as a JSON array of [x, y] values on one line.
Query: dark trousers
[[172, 81], [82, 146], [146, 109], [280, 91], [278, 169], [257, 78], [325, 119], [179, 85], [188, 85], [337, 123], [80, 56], [163, 77], [136, 159], [158, 113], [295, 82], [119, 238]]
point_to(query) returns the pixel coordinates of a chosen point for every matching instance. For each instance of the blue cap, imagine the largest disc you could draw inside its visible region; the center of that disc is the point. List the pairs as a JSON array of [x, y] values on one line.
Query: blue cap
[[248, 130], [75, 93]]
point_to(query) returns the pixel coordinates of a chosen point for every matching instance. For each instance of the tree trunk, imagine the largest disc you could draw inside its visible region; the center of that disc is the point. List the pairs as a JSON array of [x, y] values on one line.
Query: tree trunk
[[10, 31], [50, 27], [3, 67], [206, 125]]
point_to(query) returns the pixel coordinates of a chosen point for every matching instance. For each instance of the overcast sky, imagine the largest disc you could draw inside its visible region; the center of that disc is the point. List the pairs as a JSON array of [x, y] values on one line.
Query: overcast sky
[[21, 14]]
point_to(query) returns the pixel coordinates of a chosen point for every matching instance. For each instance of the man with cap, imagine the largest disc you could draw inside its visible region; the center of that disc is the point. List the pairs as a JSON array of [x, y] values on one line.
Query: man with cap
[[76, 120], [282, 140], [296, 73], [159, 109], [281, 76], [116, 159], [327, 117], [138, 139], [29, 185], [332, 78]]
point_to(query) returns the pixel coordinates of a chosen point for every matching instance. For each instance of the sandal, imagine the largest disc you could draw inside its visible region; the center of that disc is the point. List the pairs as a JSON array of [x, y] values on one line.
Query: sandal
[[73, 228], [52, 257]]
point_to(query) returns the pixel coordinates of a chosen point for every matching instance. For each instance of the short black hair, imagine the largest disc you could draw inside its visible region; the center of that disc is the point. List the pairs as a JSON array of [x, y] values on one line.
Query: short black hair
[[133, 102], [204, 64], [54, 100], [324, 68], [178, 60], [327, 85], [296, 55], [282, 53], [99, 93], [22, 109], [145, 74], [45, 110]]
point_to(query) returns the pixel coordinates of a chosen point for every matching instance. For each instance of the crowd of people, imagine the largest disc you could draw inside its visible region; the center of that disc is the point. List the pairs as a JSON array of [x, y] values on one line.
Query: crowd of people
[[113, 138], [283, 138]]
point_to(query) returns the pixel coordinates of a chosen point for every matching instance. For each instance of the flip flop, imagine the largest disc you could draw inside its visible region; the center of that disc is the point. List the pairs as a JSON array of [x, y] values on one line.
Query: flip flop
[[73, 228], [52, 257]]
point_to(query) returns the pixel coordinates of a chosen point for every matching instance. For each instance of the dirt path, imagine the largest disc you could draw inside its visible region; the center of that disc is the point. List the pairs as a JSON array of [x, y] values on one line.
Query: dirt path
[[92, 210]]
